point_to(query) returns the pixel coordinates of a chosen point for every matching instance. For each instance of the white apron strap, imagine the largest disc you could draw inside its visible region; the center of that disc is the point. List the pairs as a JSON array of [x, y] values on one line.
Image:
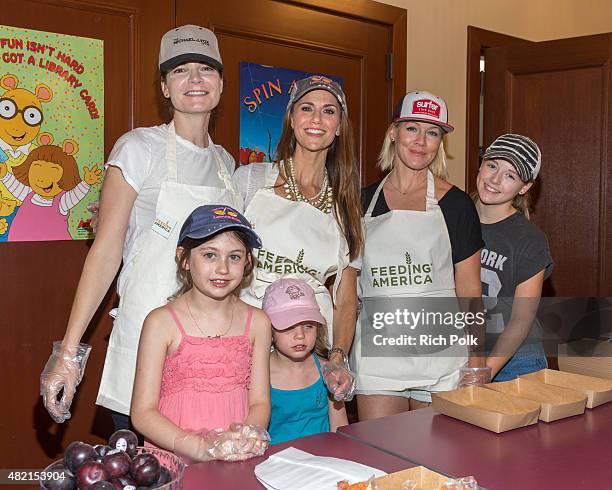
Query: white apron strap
[[171, 153], [372, 204], [431, 202]]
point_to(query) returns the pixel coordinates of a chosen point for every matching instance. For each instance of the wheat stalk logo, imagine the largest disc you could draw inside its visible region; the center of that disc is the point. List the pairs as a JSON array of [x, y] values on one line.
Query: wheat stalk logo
[[300, 257], [408, 259]]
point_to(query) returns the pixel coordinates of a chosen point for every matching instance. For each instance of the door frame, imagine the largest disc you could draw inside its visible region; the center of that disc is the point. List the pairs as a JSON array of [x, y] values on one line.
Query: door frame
[[394, 17], [477, 41]]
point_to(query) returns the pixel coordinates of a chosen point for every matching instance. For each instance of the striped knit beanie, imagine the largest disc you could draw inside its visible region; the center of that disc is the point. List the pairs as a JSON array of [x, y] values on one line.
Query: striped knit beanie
[[518, 150]]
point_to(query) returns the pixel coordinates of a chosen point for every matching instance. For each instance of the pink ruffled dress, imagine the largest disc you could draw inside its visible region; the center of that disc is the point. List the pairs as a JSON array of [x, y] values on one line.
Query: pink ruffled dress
[[205, 380]]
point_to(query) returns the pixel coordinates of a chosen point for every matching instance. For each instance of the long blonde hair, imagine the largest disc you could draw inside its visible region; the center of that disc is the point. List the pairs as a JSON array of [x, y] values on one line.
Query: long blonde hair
[[343, 172], [386, 156]]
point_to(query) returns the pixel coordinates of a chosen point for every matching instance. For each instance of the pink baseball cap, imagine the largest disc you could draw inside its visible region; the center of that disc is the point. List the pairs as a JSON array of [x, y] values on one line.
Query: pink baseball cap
[[426, 107], [291, 301]]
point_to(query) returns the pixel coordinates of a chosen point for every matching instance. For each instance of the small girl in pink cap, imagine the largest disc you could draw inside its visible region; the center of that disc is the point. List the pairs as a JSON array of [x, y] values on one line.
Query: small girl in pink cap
[[300, 402]]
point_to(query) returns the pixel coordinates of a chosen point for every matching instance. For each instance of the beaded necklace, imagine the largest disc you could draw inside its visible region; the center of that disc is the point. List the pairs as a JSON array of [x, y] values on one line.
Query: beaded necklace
[[322, 200]]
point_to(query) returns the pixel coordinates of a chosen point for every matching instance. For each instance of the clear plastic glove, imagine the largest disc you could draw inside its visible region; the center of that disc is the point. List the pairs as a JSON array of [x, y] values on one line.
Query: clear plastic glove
[[64, 370], [238, 443], [94, 208], [192, 447], [474, 376], [340, 380]]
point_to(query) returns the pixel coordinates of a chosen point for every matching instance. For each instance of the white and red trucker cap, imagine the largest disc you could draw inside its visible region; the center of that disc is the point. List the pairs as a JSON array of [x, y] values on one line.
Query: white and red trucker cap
[[426, 107]]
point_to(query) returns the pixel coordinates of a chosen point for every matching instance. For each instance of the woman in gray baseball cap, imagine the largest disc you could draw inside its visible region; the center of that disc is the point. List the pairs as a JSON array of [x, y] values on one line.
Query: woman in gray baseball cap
[[305, 206], [515, 260], [154, 178]]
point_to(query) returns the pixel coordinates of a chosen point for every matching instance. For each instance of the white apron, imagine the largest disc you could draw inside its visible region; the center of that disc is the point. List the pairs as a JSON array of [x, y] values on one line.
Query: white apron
[[151, 277], [299, 241], [389, 240]]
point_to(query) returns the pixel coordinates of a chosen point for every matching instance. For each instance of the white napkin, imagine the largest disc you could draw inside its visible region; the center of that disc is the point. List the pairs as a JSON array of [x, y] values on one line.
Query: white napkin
[[294, 469]]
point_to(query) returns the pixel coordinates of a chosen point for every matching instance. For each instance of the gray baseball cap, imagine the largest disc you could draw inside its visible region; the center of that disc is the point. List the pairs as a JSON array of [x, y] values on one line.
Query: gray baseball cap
[[316, 82], [186, 44]]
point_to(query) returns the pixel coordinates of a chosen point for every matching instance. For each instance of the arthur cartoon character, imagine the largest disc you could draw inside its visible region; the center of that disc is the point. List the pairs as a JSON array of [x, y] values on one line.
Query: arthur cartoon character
[[21, 116], [49, 185]]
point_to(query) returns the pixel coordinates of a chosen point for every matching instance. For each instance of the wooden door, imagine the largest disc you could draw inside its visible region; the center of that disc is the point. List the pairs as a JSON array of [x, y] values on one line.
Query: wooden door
[[560, 94], [362, 42], [40, 278]]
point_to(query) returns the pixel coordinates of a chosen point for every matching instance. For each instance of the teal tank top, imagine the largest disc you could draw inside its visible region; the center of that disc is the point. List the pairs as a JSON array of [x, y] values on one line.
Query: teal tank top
[[299, 413]]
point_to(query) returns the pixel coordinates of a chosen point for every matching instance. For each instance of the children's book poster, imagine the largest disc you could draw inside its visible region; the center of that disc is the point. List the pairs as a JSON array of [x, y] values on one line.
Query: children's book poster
[[264, 93], [51, 134]]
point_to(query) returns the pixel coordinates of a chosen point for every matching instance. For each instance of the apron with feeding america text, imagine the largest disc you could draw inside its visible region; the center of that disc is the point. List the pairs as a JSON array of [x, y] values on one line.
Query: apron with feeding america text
[[395, 241], [299, 241], [149, 279]]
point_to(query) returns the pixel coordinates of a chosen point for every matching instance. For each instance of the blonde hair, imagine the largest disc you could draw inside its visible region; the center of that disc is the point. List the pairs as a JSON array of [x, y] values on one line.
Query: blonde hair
[[386, 156]]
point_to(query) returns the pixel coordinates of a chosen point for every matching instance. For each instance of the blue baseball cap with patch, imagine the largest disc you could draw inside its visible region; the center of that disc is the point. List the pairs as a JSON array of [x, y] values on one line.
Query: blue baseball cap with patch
[[208, 220]]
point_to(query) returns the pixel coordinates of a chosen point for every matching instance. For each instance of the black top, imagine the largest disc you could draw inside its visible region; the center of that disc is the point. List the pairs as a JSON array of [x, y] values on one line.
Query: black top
[[459, 213]]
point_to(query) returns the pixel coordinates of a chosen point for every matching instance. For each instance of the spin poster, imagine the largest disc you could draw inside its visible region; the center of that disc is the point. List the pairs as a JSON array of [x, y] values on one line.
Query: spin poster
[[264, 93]]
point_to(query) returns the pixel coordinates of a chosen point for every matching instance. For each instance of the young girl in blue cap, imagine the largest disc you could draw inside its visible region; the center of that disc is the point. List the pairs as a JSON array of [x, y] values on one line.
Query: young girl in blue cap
[[203, 357], [515, 260], [301, 405]]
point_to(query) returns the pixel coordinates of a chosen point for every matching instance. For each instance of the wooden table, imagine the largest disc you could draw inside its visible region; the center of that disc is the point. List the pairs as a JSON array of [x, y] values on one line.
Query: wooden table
[[569, 454], [240, 476]]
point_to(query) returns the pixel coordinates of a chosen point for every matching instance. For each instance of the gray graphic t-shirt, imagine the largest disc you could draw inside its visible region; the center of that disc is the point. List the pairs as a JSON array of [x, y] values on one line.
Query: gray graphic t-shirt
[[515, 250]]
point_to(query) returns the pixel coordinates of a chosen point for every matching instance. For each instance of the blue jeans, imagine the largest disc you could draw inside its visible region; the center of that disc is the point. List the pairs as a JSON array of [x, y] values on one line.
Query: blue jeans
[[527, 359]]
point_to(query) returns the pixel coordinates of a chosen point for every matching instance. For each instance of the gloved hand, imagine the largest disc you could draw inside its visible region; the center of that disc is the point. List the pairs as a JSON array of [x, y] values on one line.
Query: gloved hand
[[64, 370], [340, 380], [94, 208], [238, 443], [474, 376]]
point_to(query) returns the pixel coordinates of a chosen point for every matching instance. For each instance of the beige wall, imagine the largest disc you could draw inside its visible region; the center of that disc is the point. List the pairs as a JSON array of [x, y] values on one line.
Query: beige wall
[[437, 44]]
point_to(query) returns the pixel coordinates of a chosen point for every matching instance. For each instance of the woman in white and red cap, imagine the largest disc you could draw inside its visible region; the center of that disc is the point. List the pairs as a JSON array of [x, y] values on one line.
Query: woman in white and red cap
[[155, 177], [306, 209], [422, 240]]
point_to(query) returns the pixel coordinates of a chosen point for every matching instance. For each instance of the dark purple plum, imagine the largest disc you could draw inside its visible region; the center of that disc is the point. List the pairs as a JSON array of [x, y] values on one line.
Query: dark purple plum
[[117, 463], [64, 480], [78, 453], [90, 473], [125, 440], [102, 485], [164, 477], [145, 469], [123, 482]]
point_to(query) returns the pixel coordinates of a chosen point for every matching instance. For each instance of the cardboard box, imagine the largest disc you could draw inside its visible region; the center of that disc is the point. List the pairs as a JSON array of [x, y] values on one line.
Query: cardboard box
[[597, 390], [588, 357], [555, 402], [485, 408], [425, 478]]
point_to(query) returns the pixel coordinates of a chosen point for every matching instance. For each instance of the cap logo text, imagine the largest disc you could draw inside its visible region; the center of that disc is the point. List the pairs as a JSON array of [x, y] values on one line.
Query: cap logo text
[[426, 107], [178, 40]]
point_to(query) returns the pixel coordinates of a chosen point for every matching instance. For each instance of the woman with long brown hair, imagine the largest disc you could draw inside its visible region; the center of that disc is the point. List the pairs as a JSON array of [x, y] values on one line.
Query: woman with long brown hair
[[305, 207]]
